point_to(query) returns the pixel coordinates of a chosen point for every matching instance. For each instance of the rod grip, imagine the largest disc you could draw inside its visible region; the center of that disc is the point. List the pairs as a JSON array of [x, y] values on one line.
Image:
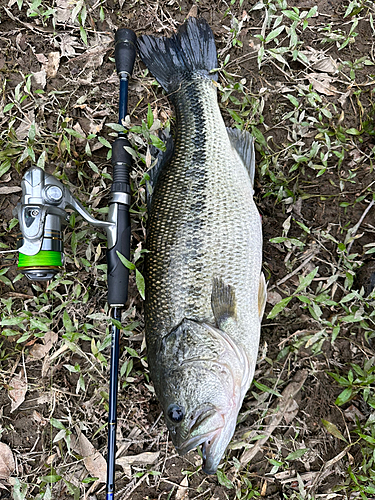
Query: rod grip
[[121, 163], [118, 274], [125, 50]]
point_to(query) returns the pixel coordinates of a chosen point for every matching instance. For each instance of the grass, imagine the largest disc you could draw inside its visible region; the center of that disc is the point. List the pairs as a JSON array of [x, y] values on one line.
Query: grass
[[314, 141]]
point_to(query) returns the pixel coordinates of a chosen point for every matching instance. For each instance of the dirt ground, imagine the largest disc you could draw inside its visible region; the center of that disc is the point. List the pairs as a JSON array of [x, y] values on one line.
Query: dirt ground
[[314, 129]]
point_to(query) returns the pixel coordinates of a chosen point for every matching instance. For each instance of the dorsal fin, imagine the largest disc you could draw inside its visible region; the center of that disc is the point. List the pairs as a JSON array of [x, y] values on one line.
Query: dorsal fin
[[162, 158], [243, 143]]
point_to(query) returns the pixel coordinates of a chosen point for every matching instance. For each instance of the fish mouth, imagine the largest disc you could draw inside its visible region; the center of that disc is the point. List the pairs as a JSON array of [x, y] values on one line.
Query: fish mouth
[[209, 442], [194, 442], [201, 417]]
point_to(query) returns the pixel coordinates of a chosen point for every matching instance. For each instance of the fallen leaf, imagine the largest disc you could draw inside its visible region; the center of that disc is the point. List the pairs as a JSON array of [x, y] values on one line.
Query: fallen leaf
[[7, 464], [50, 338], [321, 82], [44, 398], [52, 64], [39, 351], [68, 44], [64, 10], [264, 489], [193, 12], [9, 189], [23, 130], [146, 458], [79, 140], [93, 460], [95, 57], [40, 78], [17, 391], [291, 412], [41, 58], [317, 60], [39, 419], [326, 65], [182, 492], [273, 298]]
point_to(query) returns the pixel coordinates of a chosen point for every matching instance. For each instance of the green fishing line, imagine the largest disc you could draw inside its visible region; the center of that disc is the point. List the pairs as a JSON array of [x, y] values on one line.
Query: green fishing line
[[42, 258]]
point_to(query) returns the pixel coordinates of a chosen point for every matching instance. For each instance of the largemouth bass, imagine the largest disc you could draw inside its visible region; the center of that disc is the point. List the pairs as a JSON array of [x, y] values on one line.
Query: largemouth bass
[[205, 293]]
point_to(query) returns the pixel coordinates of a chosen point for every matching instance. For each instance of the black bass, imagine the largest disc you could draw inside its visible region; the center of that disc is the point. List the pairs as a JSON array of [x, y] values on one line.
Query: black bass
[[205, 292]]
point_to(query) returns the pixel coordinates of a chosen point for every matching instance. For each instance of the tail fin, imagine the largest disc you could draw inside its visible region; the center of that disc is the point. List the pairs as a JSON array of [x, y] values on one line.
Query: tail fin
[[191, 50]]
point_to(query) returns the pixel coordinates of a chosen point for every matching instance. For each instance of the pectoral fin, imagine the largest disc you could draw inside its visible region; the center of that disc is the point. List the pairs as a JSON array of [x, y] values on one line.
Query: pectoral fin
[[223, 303], [262, 295]]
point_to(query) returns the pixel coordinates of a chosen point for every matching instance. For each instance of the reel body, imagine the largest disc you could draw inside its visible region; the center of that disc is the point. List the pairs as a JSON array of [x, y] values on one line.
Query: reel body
[[41, 214]]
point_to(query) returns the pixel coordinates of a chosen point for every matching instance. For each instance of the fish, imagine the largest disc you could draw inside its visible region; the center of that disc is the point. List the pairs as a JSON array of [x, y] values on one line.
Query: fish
[[205, 290]]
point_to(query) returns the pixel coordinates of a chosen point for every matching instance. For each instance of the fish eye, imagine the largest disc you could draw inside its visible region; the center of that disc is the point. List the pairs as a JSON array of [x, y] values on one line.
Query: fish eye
[[175, 413]]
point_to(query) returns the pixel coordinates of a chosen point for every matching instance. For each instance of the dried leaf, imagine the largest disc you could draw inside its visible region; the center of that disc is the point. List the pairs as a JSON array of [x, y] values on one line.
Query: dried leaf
[[64, 10], [322, 83], [284, 404], [9, 189], [41, 58], [39, 351], [193, 12], [23, 130], [39, 419], [7, 464], [352, 413], [273, 298], [40, 78], [44, 398], [146, 458], [68, 44], [93, 460], [182, 492], [317, 60], [79, 140], [17, 391], [291, 412], [52, 65], [327, 65]]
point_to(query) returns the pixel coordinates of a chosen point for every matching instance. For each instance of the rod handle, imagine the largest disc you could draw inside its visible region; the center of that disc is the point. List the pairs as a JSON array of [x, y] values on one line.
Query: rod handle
[[118, 274], [125, 50]]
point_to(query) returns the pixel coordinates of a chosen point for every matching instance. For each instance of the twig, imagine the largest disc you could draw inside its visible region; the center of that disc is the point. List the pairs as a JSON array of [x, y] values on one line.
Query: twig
[[288, 276], [356, 227], [288, 396]]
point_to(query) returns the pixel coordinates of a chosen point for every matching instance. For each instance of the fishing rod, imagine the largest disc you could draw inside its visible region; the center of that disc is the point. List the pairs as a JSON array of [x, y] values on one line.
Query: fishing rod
[[42, 212]]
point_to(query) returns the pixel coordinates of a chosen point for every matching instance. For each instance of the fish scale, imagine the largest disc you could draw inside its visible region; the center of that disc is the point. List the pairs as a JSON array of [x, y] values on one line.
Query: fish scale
[[205, 293]]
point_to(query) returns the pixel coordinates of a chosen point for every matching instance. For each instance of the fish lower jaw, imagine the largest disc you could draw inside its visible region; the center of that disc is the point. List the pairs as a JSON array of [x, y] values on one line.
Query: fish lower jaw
[[194, 442]]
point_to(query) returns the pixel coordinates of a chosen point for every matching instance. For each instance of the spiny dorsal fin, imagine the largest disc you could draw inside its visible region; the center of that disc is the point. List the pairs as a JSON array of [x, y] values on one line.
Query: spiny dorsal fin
[[223, 302], [162, 158], [243, 143], [262, 295]]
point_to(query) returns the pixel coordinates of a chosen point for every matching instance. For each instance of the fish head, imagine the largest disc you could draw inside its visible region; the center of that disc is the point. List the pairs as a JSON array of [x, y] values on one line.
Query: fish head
[[201, 388]]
